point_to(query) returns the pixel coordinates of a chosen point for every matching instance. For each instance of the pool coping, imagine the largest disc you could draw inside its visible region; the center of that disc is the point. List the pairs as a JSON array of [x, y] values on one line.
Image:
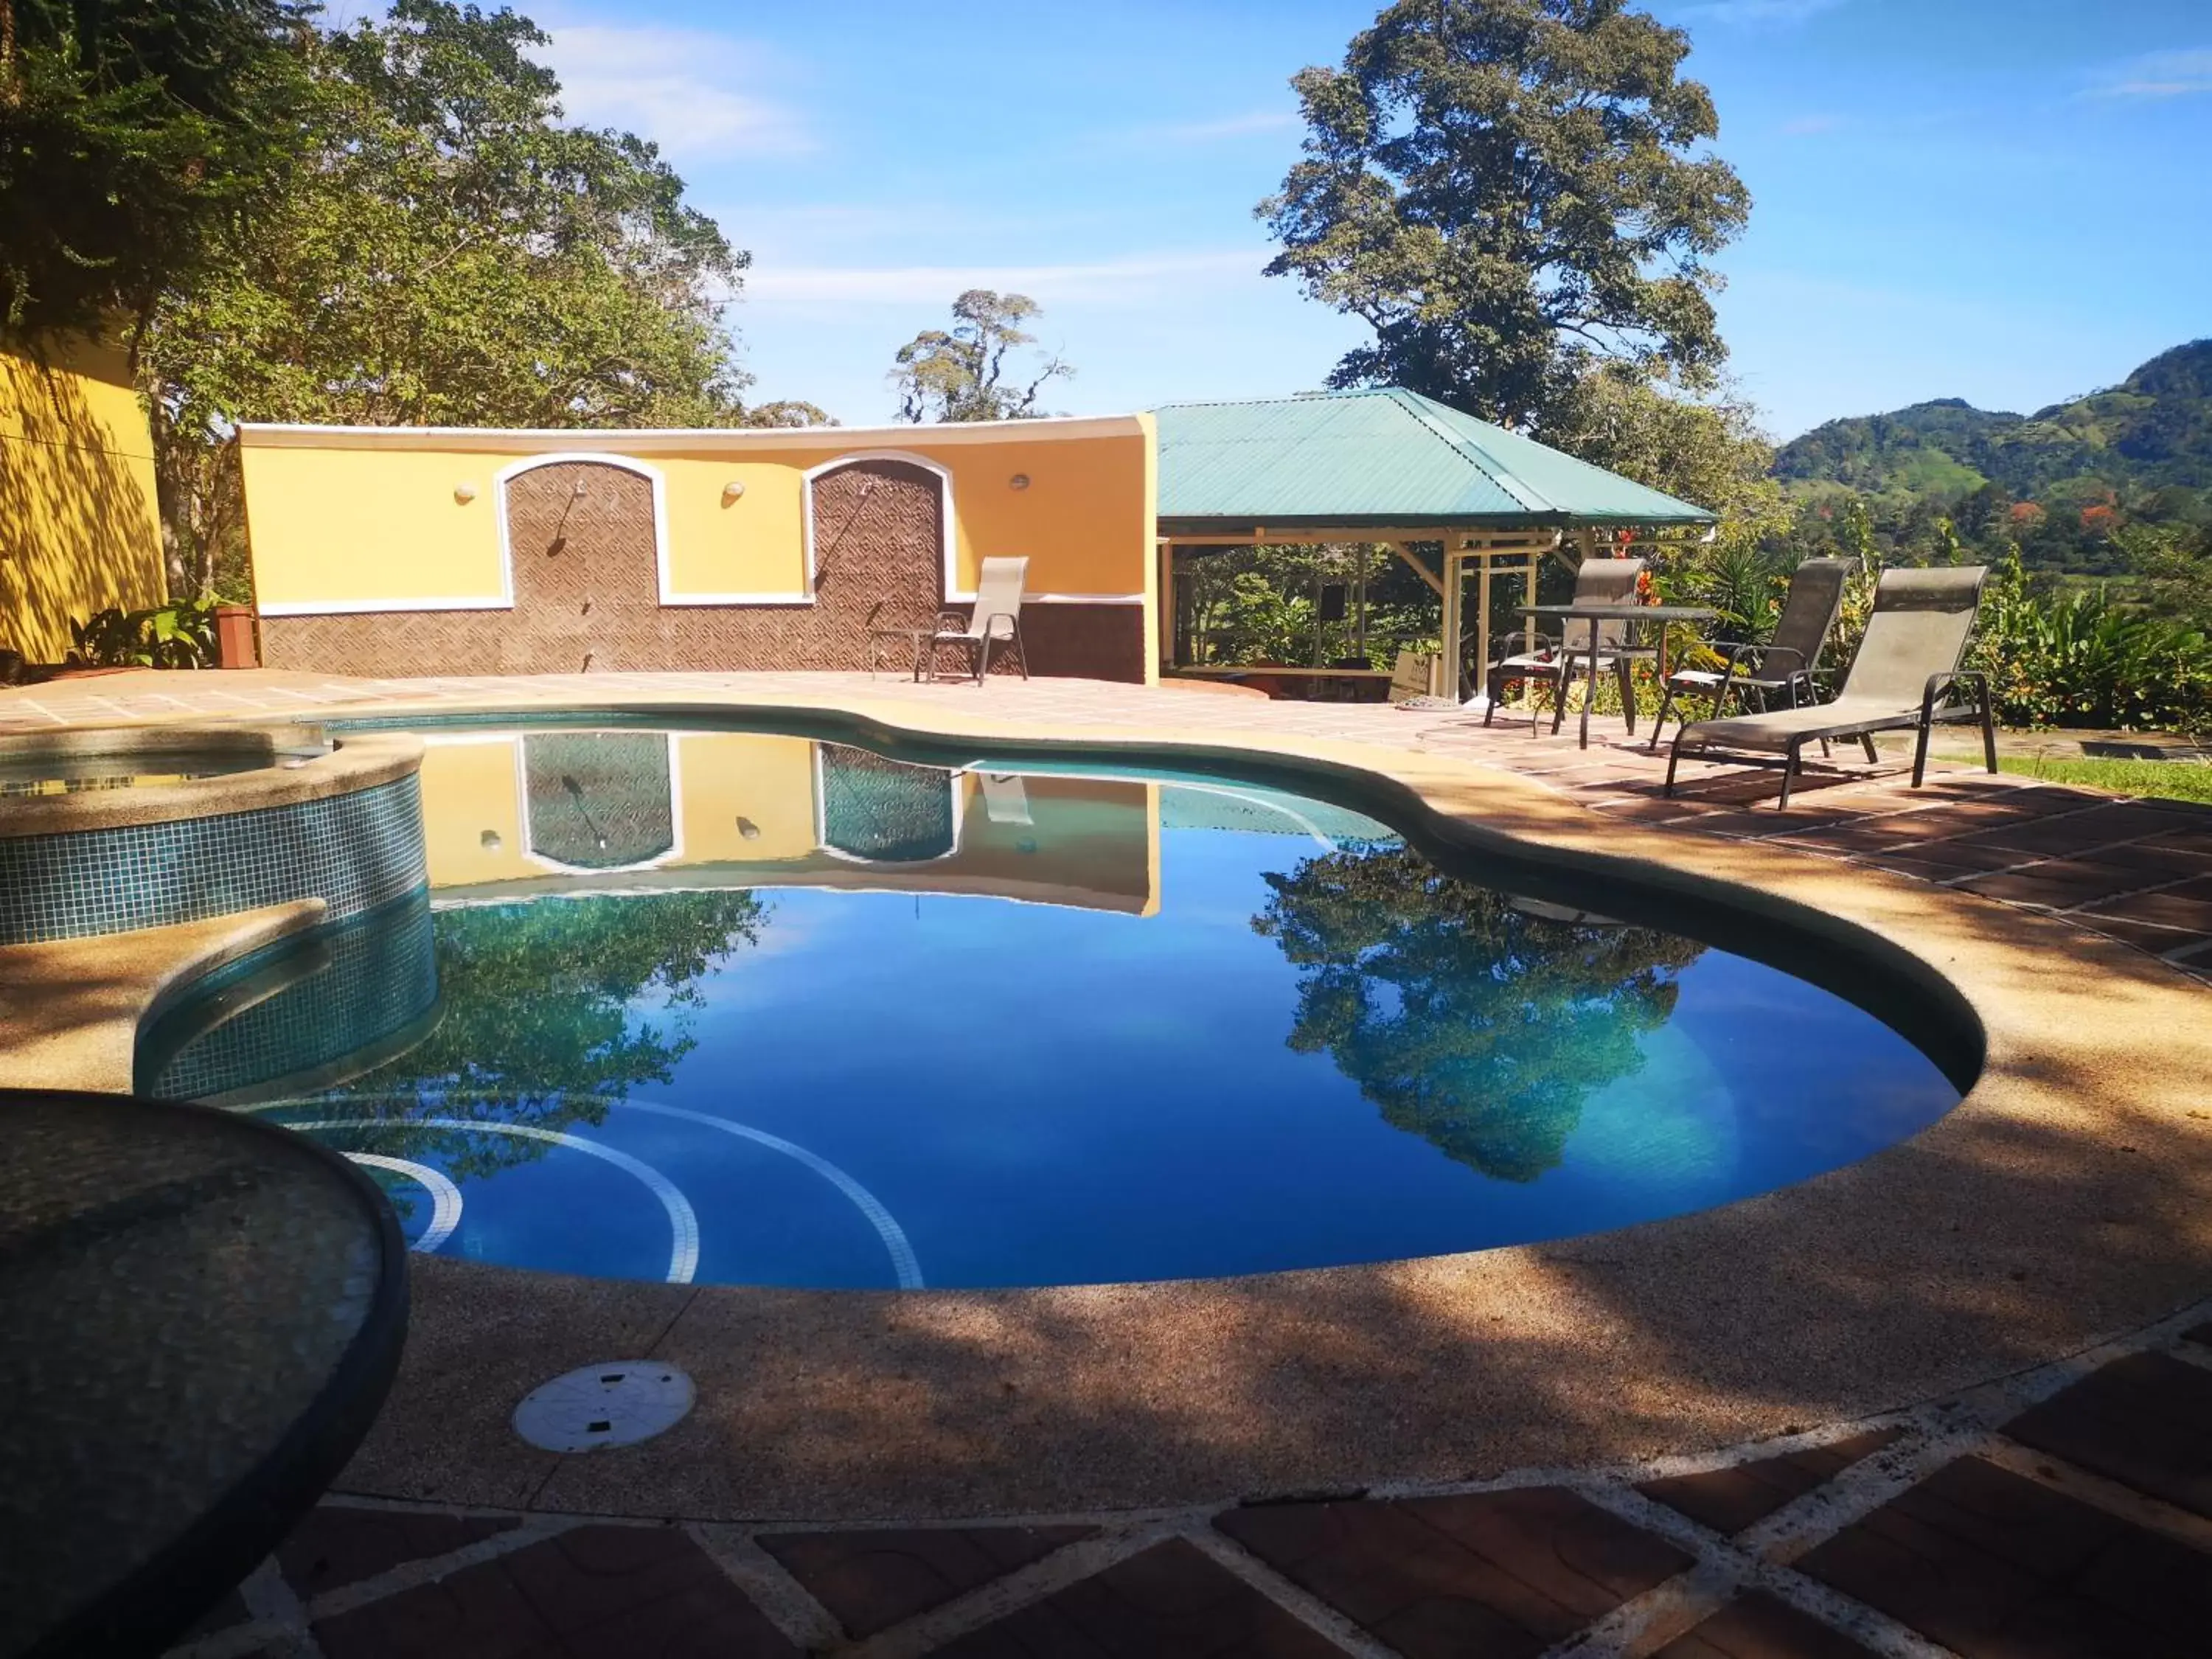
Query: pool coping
[[360, 762], [2063, 1201]]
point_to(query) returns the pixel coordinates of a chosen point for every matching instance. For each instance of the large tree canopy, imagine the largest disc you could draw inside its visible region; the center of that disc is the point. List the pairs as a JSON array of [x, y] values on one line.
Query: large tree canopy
[[132, 132], [449, 252], [961, 373], [1509, 191]]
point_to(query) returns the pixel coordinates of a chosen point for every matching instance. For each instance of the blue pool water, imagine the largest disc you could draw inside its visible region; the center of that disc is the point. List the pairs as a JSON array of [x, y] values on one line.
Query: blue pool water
[[736, 1007]]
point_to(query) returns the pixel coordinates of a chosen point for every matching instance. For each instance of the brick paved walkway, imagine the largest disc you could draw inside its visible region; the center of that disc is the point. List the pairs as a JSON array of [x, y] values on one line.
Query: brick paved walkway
[[2063, 1514]]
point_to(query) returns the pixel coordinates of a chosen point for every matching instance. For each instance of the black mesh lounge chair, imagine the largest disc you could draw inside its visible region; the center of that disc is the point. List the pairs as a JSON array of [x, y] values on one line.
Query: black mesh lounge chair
[[1905, 676], [1597, 581], [996, 621], [1783, 667]]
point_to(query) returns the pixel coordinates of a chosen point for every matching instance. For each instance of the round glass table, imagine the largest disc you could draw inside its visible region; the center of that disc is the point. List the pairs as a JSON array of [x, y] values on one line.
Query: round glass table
[[200, 1314]]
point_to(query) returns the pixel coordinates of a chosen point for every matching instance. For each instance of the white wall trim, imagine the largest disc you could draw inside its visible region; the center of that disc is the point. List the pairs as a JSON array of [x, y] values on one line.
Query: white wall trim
[[283, 434], [365, 607], [585, 458], [948, 525]]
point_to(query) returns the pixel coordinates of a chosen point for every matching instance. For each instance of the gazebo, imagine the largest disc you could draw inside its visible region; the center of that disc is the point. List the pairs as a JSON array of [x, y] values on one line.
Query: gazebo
[[1386, 466]]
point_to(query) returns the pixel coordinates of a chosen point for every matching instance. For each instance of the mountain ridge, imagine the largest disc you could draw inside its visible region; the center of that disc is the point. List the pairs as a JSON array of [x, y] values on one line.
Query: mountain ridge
[[2151, 433]]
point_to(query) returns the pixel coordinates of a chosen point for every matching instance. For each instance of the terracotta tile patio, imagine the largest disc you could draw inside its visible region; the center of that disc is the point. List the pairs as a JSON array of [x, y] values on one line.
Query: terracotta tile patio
[[2066, 1514]]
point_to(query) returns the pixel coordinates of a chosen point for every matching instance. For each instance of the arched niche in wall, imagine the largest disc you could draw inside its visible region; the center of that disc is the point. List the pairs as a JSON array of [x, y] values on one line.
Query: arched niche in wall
[[878, 533], [585, 538]]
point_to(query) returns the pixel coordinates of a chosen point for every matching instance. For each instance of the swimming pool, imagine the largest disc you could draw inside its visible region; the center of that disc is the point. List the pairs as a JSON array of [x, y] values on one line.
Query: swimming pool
[[762, 1007]]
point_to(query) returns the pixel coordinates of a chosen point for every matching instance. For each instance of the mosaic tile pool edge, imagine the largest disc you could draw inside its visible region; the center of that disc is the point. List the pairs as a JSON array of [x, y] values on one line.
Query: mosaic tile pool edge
[[380, 976], [353, 851]]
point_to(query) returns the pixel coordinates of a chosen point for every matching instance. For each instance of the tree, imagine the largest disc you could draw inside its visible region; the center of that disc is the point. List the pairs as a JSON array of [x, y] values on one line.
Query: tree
[[1508, 192], [1477, 1021], [447, 252], [960, 374], [539, 1021], [1709, 450], [132, 136]]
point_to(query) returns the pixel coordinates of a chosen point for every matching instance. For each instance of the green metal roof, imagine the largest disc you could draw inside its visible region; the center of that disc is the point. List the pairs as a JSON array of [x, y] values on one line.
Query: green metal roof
[[1385, 457]]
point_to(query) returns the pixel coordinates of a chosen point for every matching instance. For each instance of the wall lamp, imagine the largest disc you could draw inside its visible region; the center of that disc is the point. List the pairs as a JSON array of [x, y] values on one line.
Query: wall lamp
[[1019, 481], [731, 490], [465, 493]]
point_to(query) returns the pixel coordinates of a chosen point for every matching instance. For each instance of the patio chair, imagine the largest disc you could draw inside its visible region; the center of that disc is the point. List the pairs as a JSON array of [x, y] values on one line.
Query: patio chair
[[1784, 664], [1598, 581], [1906, 676], [996, 620]]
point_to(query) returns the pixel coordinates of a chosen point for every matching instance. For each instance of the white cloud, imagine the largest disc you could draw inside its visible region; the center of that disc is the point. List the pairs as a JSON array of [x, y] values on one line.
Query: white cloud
[[682, 88], [2159, 75], [1756, 11], [1132, 276]]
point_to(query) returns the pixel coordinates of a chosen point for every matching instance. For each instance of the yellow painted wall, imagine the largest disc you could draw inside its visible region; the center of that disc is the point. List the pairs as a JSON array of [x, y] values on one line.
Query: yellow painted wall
[[351, 527], [337, 519], [79, 529]]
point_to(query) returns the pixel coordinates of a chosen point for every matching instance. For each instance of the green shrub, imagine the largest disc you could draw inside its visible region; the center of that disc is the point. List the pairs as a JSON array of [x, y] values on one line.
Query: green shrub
[[178, 635], [2080, 658]]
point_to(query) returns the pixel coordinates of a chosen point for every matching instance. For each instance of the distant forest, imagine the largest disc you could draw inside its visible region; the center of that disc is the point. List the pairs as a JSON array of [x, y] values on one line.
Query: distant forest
[[2067, 484]]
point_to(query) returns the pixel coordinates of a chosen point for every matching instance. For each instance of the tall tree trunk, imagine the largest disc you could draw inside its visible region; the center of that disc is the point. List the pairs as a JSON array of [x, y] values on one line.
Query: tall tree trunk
[[173, 486]]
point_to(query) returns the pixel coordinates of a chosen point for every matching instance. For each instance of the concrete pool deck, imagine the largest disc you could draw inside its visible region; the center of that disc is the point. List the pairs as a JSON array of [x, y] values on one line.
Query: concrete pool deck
[[2061, 1206]]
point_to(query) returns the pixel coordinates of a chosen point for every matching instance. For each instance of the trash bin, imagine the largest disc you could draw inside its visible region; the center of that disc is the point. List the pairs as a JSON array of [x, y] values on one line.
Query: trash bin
[[235, 644]]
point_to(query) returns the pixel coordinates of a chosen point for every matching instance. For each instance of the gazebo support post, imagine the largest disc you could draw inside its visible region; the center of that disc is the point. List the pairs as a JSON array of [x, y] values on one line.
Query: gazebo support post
[[1167, 603]]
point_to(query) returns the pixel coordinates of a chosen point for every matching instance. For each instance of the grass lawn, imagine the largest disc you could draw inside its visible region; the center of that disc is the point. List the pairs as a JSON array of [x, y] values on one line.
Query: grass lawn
[[2174, 780]]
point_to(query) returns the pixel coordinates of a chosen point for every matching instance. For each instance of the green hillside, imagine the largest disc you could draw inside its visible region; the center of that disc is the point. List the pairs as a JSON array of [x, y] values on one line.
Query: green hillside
[[2059, 480]]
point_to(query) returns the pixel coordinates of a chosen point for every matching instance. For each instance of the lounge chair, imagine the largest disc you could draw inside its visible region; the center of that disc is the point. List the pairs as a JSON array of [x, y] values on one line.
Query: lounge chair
[[1598, 581], [1906, 676], [1784, 665], [996, 620]]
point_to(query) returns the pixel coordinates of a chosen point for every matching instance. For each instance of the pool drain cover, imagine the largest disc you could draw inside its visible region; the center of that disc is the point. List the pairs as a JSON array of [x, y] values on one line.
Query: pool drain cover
[[617, 1404]]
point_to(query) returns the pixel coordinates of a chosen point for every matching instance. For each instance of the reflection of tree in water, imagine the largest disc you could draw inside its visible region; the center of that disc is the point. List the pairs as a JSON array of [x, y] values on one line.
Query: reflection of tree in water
[[536, 1025], [1474, 1024]]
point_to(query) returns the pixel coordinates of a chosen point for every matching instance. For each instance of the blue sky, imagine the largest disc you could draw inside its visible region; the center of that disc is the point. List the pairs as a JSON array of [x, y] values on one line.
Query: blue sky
[[2005, 200]]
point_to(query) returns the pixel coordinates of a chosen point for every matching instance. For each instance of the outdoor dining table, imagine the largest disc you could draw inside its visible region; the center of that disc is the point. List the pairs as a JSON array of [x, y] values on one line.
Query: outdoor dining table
[[200, 1314], [1663, 614]]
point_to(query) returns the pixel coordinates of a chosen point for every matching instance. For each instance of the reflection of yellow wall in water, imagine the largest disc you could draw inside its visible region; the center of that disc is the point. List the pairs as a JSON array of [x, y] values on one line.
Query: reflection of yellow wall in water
[[471, 789], [1093, 843], [348, 518], [767, 781], [78, 529]]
